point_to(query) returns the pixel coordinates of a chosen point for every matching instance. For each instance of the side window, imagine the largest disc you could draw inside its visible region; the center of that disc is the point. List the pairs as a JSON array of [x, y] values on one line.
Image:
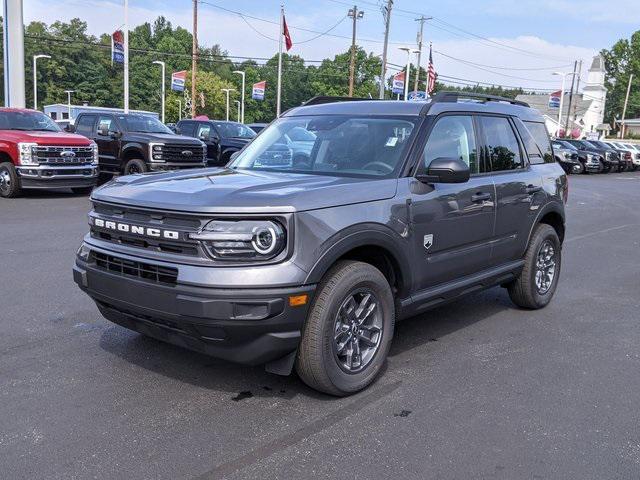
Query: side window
[[106, 122], [186, 128], [452, 137], [204, 131], [84, 125], [502, 143], [539, 133]]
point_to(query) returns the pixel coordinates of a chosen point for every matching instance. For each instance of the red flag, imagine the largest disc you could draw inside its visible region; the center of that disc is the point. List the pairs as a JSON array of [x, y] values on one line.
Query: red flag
[[431, 74], [287, 37]]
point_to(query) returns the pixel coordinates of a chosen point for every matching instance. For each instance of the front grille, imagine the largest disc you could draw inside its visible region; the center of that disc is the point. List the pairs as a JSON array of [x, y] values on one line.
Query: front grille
[[144, 271], [60, 155], [173, 153]]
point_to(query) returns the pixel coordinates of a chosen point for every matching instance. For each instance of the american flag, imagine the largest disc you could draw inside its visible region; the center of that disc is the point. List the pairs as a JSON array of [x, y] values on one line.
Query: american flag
[[431, 74]]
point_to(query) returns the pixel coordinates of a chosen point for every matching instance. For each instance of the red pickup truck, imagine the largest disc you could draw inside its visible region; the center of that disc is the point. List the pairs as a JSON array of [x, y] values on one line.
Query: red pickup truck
[[36, 153]]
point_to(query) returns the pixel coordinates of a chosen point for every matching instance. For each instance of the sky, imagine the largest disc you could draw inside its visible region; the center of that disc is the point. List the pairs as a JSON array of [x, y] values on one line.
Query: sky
[[505, 42]]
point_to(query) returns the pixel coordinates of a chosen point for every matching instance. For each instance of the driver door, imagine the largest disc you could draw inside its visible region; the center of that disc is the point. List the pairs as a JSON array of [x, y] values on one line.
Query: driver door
[[452, 224], [108, 145]]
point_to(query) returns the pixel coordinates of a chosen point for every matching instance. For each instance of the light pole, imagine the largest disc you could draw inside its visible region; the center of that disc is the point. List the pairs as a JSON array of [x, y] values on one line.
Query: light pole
[[409, 51], [356, 15], [564, 76], [162, 67], [179, 110], [69, 92], [35, 78], [227, 90], [239, 72], [238, 104]]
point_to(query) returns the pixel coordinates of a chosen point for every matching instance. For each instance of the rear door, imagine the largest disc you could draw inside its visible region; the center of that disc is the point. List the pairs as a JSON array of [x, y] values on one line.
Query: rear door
[[452, 223], [518, 187]]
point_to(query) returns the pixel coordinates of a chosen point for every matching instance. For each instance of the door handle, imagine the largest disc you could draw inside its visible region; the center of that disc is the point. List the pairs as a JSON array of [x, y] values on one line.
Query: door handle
[[480, 197], [532, 188]]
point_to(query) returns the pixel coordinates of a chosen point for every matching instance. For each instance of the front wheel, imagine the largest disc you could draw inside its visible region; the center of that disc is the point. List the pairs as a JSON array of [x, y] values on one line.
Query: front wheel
[[537, 283], [134, 166], [578, 169], [9, 181], [348, 331]]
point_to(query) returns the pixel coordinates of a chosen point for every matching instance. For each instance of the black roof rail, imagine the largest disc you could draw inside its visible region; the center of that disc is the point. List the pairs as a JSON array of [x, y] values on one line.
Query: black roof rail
[[320, 99], [454, 96]]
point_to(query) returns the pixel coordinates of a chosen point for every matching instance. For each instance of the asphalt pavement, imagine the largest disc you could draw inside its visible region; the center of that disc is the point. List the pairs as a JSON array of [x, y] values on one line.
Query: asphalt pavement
[[474, 389]]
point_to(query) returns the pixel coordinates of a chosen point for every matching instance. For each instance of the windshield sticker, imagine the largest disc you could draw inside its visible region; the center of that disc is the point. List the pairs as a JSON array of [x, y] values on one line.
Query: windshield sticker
[[391, 142]]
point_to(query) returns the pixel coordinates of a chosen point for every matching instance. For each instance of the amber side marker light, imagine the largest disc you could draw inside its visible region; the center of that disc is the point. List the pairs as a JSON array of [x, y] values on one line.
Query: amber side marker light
[[297, 300]]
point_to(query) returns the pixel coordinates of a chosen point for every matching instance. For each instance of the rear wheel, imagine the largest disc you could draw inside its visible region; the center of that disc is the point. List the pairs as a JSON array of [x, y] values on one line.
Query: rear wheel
[[9, 181], [348, 331], [537, 283], [134, 166]]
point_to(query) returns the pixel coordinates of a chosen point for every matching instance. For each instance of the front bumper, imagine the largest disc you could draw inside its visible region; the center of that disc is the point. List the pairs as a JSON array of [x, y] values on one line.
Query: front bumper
[[159, 167], [249, 326], [58, 176]]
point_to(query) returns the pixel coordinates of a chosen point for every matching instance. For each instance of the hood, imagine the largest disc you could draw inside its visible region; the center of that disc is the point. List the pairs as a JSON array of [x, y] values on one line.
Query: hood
[[45, 138], [221, 190], [162, 138]]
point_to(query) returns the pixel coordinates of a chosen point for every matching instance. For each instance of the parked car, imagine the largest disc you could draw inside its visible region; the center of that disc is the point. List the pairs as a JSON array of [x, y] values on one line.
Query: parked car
[[630, 154], [258, 127], [591, 157], [222, 139], [402, 206], [635, 148], [607, 156], [620, 155], [36, 153], [567, 156], [135, 143]]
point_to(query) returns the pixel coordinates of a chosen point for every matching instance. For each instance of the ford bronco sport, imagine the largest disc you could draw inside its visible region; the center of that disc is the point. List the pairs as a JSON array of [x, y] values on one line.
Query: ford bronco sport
[[397, 207]]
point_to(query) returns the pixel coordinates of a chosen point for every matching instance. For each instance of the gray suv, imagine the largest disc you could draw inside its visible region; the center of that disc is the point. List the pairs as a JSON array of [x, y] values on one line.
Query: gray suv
[[307, 262]]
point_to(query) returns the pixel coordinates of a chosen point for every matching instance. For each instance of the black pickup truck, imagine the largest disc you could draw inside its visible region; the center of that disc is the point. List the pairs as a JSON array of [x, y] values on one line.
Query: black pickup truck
[[223, 139], [134, 143]]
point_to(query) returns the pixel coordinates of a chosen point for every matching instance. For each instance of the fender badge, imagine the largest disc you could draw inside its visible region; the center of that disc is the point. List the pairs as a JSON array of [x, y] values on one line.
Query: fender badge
[[428, 241]]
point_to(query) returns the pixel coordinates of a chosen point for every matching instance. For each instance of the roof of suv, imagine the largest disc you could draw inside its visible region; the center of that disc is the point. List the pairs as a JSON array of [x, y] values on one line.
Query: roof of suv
[[443, 102]]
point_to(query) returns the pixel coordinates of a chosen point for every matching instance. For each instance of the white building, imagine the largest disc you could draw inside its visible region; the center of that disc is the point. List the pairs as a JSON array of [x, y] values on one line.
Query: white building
[[587, 108]]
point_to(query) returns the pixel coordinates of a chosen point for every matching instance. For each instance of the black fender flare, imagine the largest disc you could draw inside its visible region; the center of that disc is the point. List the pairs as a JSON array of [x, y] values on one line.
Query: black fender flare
[[138, 148], [362, 235], [551, 207]]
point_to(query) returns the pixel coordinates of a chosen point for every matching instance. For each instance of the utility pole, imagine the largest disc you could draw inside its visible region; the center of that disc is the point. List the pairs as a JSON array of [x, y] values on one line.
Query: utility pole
[[575, 106], [573, 81], [624, 109], [356, 15], [422, 19], [386, 12], [194, 58]]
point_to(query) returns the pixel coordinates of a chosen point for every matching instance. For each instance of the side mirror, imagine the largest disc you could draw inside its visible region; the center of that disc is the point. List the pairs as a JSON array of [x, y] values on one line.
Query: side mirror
[[205, 136], [446, 170], [103, 130], [70, 128]]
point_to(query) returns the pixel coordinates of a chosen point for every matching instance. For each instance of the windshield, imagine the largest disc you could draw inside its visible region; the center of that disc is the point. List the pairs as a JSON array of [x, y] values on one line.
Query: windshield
[[567, 145], [234, 130], [143, 124], [337, 146], [27, 121]]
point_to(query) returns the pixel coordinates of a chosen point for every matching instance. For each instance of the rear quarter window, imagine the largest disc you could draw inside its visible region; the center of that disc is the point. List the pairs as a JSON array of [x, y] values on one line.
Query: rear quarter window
[[538, 131]]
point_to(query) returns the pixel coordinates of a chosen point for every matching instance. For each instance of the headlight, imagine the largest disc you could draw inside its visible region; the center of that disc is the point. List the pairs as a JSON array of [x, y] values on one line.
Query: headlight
[[155, 152], [242, 239], [26, 153], [83, 253], [96, 155]]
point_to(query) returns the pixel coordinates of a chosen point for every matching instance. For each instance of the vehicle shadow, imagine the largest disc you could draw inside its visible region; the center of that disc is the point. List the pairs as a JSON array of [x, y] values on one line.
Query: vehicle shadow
[[244, 382], [49, 194]]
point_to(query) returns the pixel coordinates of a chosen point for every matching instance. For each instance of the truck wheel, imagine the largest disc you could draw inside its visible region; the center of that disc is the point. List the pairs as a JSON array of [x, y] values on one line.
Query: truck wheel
[[135, 165], [9, 181], [82, 190], [348, 331], [539, 277]]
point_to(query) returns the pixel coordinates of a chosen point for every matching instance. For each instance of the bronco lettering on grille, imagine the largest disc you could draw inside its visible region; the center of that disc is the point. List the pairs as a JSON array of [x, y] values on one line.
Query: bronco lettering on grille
[[136, 229]]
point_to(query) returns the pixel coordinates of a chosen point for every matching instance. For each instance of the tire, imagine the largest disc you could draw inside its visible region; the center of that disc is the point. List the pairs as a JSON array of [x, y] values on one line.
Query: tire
[[319, 362], [606, 169], [578, 169], [82, 190], [525, 292], [10, 186], [134, 166]]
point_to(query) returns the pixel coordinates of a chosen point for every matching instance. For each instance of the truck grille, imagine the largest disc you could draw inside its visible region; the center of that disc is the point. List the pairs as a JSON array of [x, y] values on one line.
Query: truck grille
[[60, 155], [144, 271], [182, 153]]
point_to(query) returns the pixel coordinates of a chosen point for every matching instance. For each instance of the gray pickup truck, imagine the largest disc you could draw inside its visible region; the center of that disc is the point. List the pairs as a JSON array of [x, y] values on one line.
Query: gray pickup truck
[[307, 263]]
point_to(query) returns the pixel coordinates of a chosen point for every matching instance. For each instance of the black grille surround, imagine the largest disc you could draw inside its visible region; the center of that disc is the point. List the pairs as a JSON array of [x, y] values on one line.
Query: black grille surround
[[63, 155], [131, 268], [176, 153]]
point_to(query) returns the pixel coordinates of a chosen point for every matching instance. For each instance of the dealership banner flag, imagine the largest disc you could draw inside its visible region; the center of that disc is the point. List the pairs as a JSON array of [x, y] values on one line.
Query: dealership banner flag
[[177, 80], [397, 87], [554, 99], [258, 90], [117, 47]]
